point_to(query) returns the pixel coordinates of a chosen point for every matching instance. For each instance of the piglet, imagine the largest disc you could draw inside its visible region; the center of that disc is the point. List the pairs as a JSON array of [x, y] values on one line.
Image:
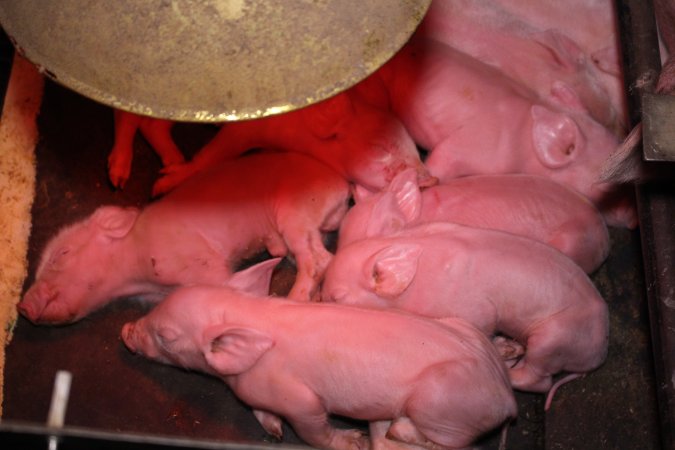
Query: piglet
[[527, 205], [594, 27], [366, 145], [199, 234], [497, 281], [539, 44], [475, 120], [440, 385]]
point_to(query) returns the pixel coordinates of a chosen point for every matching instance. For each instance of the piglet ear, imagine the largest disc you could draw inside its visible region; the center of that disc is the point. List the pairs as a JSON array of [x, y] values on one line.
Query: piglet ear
[[556, 137], [396, 207], [407, 193], [255, 279], [115, 221], [324, 118], [393, 269], [386, 217], [231, 351]]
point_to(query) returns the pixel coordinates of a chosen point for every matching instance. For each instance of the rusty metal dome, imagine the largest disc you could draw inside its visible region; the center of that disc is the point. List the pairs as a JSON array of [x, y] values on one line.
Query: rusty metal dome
[[209, 60]]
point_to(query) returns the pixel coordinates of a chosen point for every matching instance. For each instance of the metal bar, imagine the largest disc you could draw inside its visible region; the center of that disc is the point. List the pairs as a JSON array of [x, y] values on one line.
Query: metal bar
[[656, 208], [59, 404], [30, 436]]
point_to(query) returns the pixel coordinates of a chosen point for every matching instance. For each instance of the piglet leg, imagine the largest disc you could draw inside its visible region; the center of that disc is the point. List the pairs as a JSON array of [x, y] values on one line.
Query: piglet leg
[[380, 441], [232, 140], [404, 431], [309, 419], [525, 376], [158, 134], [303, 237], [436, 397], [121, 155], [311, 260]]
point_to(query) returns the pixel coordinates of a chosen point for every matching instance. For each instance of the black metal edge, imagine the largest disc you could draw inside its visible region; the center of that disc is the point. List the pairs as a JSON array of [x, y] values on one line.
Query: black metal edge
[[6, 58], [30, 436], [656, 207]]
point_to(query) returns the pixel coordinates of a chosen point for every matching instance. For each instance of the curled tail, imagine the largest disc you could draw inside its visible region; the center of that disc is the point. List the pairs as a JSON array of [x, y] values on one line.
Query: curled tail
[[556, 385]]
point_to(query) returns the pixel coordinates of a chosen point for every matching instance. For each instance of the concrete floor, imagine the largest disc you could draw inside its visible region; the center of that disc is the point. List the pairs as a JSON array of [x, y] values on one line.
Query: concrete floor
[[113, 390]]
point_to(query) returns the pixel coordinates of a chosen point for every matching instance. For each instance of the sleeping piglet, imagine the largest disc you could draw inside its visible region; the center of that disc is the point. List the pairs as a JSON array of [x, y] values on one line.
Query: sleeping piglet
[[497, 281], [540, 45], [475, 120], [527, 205], [440, 385], [199, 234], [365, 144]]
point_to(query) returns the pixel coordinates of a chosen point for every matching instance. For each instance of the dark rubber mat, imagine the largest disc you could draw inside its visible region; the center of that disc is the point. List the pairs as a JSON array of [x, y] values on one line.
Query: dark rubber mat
[[113, 390]]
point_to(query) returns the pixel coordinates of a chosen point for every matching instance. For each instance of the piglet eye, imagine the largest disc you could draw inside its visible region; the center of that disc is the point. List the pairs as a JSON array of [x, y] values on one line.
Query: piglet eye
[[166, 337], [57, 255]]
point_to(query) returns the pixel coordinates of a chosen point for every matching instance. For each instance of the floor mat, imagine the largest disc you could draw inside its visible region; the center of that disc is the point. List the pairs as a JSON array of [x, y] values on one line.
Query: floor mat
[[113, 390]]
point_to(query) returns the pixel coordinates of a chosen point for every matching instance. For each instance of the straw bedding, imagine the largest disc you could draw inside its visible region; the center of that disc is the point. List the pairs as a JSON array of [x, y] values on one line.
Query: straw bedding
[[18, 137]]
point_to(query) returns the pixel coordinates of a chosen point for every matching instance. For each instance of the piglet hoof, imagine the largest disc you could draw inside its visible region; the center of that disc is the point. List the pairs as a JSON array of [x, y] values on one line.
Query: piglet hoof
[[270, 422], [172, 176], [169, 169], [119, 169], [350, 439], [507, 348], [402, 430], [163, 185]]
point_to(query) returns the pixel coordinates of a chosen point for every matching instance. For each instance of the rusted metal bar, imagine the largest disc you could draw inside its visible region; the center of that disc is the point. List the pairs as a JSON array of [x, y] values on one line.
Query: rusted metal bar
[[656, 207]]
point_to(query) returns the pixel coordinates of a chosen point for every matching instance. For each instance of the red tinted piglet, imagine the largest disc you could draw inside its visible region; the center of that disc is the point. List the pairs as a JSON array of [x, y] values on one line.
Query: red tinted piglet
[[197, 235], [367, 145]]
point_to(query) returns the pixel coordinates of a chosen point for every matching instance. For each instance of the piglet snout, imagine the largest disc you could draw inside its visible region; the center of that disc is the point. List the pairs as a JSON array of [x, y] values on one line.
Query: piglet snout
[[129, 336], [34, 303], [26, 309]]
